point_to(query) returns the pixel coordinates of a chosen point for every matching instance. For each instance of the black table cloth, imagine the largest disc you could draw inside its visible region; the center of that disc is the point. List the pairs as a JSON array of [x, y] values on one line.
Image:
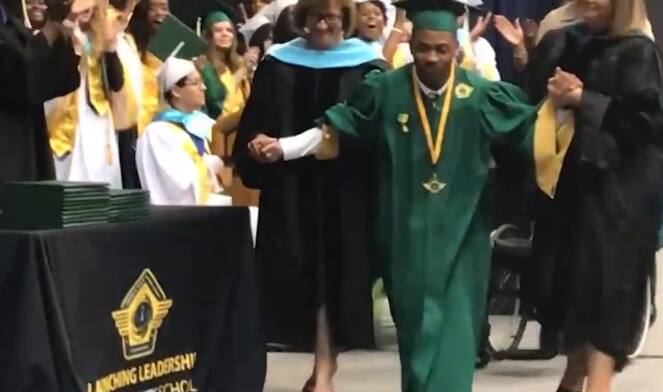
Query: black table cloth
[[166, 305]]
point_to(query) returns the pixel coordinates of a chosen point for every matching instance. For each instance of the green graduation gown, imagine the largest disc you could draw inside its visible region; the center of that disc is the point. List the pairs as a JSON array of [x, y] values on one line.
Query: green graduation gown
[[435, 245]]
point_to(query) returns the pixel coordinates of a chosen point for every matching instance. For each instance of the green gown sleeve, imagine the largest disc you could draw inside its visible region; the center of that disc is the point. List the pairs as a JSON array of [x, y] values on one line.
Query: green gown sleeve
[[507, 118], [215, 93], [359, 114]]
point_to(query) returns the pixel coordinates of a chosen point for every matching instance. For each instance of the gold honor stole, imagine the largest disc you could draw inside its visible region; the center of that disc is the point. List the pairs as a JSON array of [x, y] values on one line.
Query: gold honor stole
[[204, 187], [61, 123], [100, 98], [551, 143], [151, 100]]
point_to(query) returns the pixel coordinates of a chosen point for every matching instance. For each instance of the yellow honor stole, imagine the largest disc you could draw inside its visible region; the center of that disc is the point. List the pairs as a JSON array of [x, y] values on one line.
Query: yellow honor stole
[[204, 186], [551, 143]]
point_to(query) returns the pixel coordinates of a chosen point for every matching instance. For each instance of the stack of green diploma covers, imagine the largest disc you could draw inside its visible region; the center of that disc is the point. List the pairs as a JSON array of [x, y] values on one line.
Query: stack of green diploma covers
[[128, 205], [43, 205], [36, 205]]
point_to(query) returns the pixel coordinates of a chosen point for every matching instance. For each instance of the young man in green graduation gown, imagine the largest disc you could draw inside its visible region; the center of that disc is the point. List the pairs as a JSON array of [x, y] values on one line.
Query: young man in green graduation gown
[[432, 125]]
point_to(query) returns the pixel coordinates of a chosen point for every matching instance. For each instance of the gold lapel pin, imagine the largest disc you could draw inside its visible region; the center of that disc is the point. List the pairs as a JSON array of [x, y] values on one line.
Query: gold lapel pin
[[403, 118]]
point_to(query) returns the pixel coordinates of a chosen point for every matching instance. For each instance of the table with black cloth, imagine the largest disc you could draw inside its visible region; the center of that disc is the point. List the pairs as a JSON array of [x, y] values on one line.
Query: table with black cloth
[[63, 295]]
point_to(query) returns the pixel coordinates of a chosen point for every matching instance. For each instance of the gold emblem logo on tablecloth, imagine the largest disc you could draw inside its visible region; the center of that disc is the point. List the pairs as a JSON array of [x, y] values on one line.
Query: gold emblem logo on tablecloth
[[140, 316], [463, 91]]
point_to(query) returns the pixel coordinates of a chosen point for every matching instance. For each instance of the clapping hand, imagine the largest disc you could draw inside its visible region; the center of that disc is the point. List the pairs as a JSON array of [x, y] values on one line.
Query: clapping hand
[[531, 30], [481, 26], [565, 89], [513, 34], [251, 59]]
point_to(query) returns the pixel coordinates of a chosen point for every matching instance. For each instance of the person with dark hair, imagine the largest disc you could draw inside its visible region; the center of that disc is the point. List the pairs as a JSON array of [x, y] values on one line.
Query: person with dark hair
[[371, 20], [269, 13], [316, 277], [147, 17], [371, 23], [252, 7], [36, 13], [23, 58], [262, 39], [173, 155], [284, 28]]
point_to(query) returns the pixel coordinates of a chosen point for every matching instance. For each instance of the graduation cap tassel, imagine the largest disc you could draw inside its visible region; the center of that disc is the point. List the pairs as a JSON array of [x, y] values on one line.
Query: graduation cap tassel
[[199, 26], [26, 19]]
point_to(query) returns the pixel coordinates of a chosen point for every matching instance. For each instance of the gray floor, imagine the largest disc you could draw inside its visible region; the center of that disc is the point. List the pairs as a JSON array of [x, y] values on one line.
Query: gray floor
[[379, 371]]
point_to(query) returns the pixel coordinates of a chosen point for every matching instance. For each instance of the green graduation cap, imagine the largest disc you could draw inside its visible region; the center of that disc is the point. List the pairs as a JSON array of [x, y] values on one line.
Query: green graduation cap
[[439, 15], [216, 11], [214, 18]]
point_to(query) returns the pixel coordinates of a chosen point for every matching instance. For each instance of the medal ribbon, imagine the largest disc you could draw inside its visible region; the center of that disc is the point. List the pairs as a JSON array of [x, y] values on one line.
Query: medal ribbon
[[435, 150]]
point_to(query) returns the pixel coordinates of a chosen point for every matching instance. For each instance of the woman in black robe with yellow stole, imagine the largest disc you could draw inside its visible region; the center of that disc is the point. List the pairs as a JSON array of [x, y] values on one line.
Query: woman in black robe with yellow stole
[[595, 243], [307, 261]]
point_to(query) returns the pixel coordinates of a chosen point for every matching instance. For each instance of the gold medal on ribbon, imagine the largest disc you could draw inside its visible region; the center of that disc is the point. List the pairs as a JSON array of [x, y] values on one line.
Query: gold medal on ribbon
[[434, 147], [434, 185]]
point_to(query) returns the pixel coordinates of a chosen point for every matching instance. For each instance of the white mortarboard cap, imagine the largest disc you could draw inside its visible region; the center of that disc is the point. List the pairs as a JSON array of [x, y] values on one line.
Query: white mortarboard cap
[[172, 71]]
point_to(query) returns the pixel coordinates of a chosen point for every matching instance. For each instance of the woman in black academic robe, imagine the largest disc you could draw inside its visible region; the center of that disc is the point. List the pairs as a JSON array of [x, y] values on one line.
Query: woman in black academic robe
[[314, 240], [594, 244], [33, 69]]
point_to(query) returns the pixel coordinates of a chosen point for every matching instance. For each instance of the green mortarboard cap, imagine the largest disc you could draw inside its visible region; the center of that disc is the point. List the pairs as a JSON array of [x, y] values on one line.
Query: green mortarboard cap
[[214, 18], [439, 15]]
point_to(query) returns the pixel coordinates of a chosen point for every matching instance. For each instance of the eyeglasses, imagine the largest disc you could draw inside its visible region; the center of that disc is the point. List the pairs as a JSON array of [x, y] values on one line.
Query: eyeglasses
[[194, 83], [329, 18]]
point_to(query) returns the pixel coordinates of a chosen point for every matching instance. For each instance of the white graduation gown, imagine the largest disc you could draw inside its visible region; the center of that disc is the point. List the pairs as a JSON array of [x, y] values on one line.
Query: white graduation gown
[[95, 139], [168, 171]]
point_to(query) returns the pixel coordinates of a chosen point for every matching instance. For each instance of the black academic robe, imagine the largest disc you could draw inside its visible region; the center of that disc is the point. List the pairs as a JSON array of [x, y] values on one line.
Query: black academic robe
[[594, 244], [31, 72], [314, 234], [655, 11]]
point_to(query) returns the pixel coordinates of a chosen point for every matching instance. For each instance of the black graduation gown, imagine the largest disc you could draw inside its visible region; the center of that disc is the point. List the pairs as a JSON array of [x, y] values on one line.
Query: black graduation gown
[[31, 72], [314, 234], [594, 245], [655, 11]]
